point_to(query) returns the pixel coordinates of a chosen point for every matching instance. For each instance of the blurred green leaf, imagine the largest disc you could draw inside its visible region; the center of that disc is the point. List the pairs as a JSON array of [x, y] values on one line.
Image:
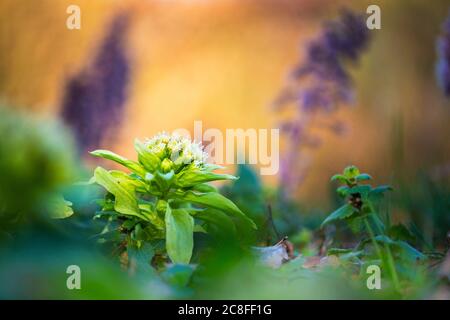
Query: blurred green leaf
[[179, 235], [223, 223], [217, 201], [343, 212], [132, 165], [141, 257], [339, 177], [351, 172], [59, 208], [363, 177], [178, 275]]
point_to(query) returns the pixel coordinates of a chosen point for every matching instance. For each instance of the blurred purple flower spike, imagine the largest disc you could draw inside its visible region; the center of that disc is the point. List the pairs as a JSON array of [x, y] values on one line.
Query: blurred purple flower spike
[[94, 98], [320, 83], [443, 64]]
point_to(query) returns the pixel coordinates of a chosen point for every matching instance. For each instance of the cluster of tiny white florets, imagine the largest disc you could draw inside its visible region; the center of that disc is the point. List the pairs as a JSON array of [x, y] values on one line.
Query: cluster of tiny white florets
[[177, 148]]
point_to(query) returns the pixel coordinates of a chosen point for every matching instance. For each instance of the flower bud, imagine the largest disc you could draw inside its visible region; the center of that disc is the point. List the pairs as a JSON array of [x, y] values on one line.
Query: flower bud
[[161, 206], [166, 165]]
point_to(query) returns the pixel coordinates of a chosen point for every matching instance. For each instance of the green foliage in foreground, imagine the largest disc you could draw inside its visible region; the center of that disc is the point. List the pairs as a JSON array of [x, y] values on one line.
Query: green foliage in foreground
[[37, 159], [166, 196], [162, 203]]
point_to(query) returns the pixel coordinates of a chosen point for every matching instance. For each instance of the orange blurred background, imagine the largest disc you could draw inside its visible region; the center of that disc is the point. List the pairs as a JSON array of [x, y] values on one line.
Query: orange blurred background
[[223, 62]]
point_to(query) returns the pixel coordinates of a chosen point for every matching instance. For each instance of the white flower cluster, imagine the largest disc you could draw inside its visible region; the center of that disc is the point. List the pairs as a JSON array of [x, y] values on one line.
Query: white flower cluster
[[178, 148]]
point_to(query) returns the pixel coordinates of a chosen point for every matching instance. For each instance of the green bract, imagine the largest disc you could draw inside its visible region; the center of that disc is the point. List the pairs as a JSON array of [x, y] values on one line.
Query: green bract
[[166, 189]]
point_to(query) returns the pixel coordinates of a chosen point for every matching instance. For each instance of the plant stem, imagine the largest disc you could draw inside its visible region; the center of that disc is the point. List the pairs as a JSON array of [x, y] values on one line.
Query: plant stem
[[372, 237], [392, 268], [389, 255]]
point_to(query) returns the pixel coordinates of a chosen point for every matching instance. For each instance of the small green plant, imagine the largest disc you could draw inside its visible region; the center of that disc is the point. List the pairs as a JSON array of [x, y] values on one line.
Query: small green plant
[[360, 213], [167, 196]]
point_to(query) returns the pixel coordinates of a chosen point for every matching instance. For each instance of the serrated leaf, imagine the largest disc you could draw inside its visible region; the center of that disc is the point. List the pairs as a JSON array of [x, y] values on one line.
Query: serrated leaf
[[379, 191], [343, 212], [339, 177], [363, 176]]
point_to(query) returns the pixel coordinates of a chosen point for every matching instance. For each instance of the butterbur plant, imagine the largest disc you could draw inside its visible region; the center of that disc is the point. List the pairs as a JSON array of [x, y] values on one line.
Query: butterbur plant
[[166, 195], [360, 212]]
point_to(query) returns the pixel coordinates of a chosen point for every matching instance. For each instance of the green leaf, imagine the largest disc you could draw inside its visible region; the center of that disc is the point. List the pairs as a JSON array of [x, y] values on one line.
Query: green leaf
[[363, 190], [400, 232], [379, 191], [343, 191], [191, 178], [129, 224], [351, 172], [345, 254], [219, 220], [164, 180], [150, 161], [410, 251], [356, 224], [59, 208], [343, 212], [212, 167], [363, 176], [149, 210], [217, 201], [405, 248], [141, 257], [179, 235], [178, 275], [203, 187], [132, 165], [128, 180], [125, 200], [338, 251], [339, 177]]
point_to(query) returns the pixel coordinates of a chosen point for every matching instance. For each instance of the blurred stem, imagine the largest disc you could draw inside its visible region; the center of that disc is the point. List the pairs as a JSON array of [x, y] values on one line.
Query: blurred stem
[[390, 258], [372, 237]]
